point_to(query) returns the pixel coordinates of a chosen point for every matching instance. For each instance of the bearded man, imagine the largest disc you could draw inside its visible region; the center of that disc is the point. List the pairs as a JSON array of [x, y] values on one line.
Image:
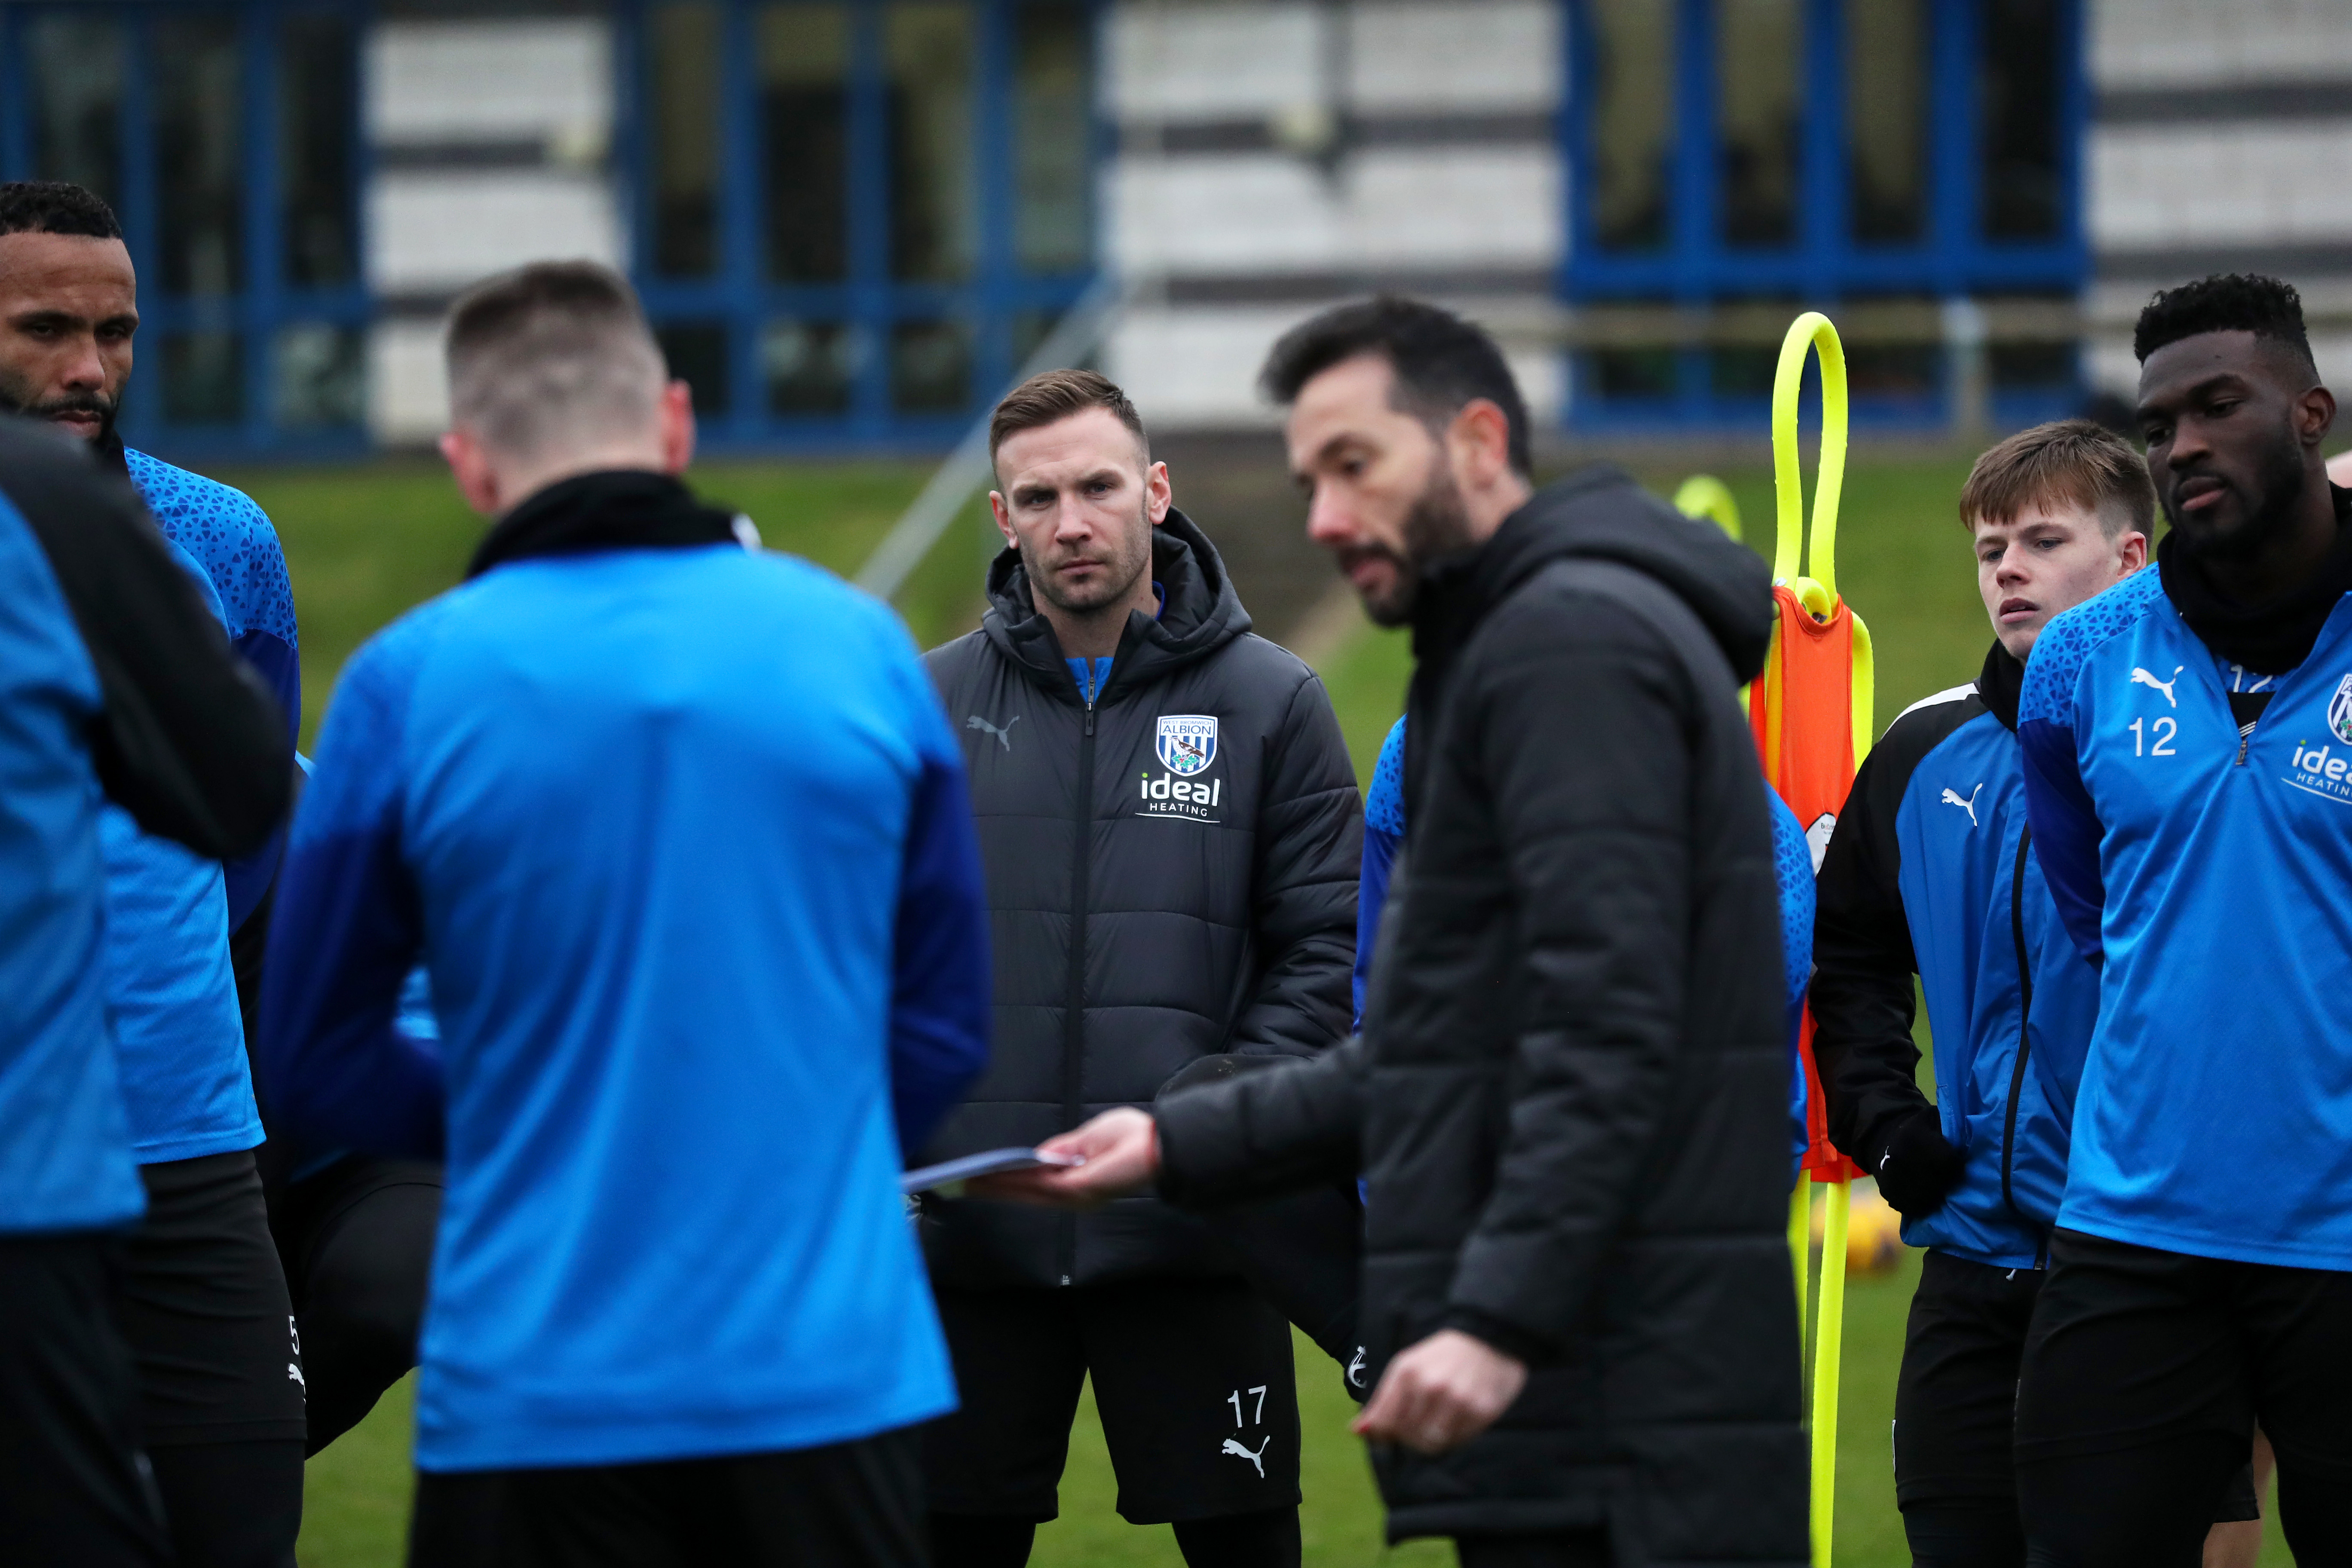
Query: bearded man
[[1169, 828]]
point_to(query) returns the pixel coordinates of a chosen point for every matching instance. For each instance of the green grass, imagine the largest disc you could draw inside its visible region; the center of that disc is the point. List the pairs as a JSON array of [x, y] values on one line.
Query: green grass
[[363, 544]]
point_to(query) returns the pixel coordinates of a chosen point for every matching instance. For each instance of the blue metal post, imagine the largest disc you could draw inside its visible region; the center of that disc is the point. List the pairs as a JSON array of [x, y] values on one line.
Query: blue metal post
[[143, 411], [260, 216]]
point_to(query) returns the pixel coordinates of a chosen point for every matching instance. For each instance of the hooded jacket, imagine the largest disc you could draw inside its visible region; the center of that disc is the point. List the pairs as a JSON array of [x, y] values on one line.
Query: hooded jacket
[[1171, 873], [1571, 1091], [1931, 871]]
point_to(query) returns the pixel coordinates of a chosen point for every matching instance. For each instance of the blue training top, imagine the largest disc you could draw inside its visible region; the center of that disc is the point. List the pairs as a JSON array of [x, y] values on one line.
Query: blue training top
[[683, 837], [2206, 868], [170, 912], [1792, 867], [65, 1145]]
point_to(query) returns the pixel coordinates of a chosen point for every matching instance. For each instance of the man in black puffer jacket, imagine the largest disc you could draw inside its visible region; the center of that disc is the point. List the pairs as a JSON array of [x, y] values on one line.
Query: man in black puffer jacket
[[1571, 1092], [1171, 830]]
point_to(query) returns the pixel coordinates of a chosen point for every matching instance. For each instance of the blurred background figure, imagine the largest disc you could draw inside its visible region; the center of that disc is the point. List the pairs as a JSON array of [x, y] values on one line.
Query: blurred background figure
[[116, 686]]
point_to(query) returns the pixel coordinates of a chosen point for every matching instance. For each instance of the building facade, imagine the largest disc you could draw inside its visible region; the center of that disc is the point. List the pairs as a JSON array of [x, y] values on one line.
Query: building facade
[[853, 220]]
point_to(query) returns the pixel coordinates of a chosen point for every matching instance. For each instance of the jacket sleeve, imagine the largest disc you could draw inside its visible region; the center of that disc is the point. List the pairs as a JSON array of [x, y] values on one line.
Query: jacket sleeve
[[1863, 994], [1265, 1133], [1577, 732], [2066, 829], [1384, 832], [188, 741], [279, 662], [347, 929], [1310, 828], [940, 983]]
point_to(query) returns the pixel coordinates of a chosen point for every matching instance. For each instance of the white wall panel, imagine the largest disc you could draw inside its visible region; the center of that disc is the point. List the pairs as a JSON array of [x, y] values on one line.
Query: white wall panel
[[1470, 207], [1487, 56], [2145, 43], [451, 81], [2279, 181], [444, 230], [1192, 62], [408, 388]]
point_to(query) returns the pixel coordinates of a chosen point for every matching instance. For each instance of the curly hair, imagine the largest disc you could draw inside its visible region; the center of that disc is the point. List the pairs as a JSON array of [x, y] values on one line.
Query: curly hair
[[52, 206], [2225, 302]]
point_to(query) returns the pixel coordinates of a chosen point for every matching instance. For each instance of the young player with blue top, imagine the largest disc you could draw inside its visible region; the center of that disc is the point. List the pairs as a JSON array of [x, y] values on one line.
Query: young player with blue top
[[205, 1306], [2185, 738], [118, 692], [678, 829]]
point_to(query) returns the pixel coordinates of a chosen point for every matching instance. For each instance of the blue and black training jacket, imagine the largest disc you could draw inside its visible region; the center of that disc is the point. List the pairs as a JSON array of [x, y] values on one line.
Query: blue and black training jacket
[[1932, 872], [2196, 816]]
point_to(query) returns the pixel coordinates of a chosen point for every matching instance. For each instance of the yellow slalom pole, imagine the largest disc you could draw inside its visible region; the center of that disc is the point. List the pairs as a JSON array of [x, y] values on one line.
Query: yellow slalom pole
[[1826, 1369], [1704, 495], [1808, 332], [1800, 1247]]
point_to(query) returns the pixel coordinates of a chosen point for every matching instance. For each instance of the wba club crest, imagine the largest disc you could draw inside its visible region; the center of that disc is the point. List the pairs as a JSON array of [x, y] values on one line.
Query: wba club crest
[[2339, 709], [1187, 742]]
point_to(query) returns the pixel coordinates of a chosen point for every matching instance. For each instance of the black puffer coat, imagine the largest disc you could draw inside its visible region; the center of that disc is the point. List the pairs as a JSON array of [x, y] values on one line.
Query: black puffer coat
[[1571, 1095], [1144, 912]]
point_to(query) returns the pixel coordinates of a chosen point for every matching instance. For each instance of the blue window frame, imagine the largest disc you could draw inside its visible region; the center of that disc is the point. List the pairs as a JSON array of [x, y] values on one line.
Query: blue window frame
[[1798, 152], [853, 218], [226, 137]]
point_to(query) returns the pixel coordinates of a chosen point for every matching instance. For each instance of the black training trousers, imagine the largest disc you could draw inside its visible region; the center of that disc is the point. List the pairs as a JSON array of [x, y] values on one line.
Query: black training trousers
[[1192, 1380], [219, 1370], [356, 1239], [846, 1505], [2144, 1374], [74, 1488]]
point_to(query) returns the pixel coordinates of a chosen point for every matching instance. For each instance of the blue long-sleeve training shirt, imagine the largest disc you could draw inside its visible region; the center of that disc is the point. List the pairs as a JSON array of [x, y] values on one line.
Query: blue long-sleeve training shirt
[[683, 837], [66, 1161], [170, 986], [2206, 869]]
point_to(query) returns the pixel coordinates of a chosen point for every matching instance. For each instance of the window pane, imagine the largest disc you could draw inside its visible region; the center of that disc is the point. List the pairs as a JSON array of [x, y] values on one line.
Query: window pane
[[321, 375], [2036, 367], [696, 353], [203, 378], [1742, 371], [1886, 119], [1756, 95], [929, 50], [195, 66], [1895, 369], [1631, 372], [809, 366], [1051, 228], [682, 123], [318, 83], [804, 120], [73, 65], [1633, 122], [2017, 103], [930, 367]]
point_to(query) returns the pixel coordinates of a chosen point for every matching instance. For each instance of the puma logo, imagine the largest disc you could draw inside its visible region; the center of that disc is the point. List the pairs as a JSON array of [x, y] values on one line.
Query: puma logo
[[1356, 1369], [1003, 736], [1257, 1460], [2142, 678], [294, 1374], [1952, 797]]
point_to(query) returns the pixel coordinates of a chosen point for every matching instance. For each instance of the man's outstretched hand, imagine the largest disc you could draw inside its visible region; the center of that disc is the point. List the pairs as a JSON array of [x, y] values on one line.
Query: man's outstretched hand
[[1121, 1151], [1440, 1392]]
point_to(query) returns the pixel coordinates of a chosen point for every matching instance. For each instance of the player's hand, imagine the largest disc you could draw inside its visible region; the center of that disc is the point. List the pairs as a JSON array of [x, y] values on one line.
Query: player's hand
[[1121, 1151], [1440, 1392]]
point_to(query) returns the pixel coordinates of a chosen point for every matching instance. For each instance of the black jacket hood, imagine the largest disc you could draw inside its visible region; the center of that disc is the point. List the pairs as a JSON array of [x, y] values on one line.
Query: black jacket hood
[[1201, 613], [1599, 513]]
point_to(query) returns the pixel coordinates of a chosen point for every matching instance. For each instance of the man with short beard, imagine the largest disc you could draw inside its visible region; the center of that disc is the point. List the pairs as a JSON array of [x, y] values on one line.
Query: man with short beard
[[2185, 736], [1170, 827], [1570, 1095]]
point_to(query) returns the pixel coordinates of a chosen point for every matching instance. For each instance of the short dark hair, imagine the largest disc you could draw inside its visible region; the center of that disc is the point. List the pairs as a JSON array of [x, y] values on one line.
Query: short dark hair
[[1442, 362], [53, 207], [553, 352], [2225, 302], [1051, 396], [2076, 460]]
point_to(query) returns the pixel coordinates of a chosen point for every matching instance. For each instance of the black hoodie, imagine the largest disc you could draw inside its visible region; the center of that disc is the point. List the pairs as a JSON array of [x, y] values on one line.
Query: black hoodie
[[1172, 874], [1571, 1092]]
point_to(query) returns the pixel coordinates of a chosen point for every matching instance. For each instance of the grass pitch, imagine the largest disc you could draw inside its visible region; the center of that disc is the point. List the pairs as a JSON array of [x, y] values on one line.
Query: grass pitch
[[364, 543]]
